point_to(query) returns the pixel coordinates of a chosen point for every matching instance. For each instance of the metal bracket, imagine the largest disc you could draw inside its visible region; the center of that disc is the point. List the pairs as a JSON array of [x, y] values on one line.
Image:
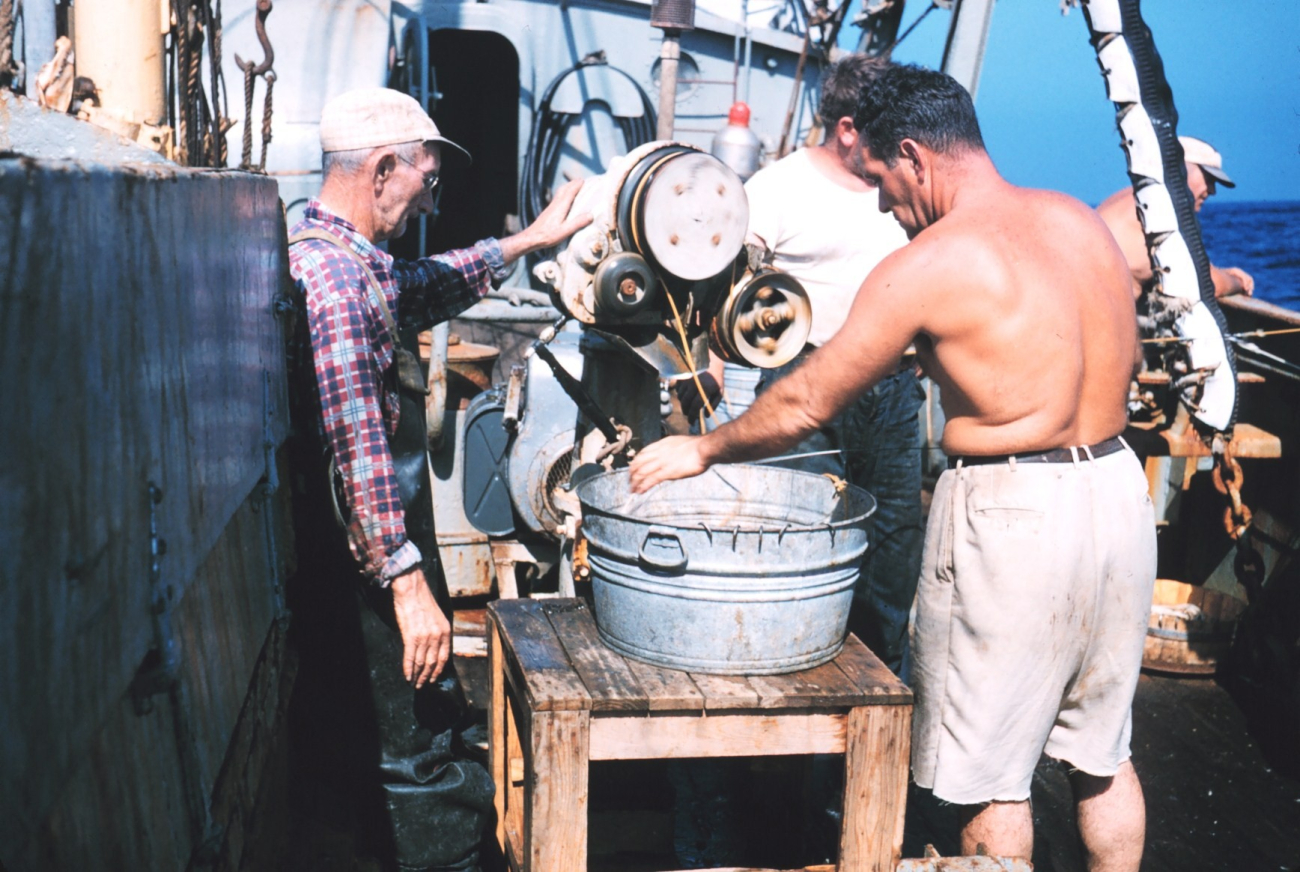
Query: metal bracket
[[514, 403], [157, 672]]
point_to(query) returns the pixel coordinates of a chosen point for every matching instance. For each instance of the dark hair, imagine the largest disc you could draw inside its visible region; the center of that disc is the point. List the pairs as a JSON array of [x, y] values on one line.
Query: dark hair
[[843, 84], [911, 102]]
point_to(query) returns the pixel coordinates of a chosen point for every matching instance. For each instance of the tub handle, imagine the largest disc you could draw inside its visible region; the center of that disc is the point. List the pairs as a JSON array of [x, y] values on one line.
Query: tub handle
[[661, 550]]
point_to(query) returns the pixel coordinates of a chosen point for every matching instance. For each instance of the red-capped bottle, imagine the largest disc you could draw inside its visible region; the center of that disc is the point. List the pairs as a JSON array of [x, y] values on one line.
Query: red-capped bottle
[[736, 145]]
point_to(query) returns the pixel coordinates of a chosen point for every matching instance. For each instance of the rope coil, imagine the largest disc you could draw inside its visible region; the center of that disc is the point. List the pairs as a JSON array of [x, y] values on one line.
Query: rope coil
[[8, 22]]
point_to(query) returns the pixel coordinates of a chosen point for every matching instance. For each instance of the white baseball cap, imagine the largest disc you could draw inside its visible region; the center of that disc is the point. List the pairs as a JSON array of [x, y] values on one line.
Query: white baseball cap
[[1201, 153], [375, 117]]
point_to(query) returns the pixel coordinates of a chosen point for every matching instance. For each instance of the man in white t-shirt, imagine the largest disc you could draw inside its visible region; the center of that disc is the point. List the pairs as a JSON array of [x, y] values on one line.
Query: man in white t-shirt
[[823, 225]]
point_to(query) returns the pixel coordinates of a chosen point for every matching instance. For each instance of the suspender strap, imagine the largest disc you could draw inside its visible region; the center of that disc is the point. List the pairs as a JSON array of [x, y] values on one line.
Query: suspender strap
[[408, 365], [409, 445]]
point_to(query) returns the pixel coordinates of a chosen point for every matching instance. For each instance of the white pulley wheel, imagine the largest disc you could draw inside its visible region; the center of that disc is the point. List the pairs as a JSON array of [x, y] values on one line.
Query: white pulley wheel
[[694, 215]]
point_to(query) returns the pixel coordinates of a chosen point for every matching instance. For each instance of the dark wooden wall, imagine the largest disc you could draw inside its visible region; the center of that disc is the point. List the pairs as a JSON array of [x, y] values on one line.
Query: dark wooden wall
[[138, 346]]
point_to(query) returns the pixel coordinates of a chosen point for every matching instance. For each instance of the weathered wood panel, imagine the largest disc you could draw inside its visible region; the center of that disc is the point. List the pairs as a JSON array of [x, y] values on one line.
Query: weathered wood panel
[[123, 805], [137, 326]]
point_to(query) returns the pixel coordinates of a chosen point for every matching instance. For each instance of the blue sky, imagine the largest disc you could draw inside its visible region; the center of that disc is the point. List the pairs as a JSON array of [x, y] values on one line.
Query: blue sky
[[1234, 69]]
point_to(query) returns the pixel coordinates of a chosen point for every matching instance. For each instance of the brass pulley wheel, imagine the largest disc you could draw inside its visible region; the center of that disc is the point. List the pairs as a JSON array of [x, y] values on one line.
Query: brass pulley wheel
[[765, 321], [684, 211]]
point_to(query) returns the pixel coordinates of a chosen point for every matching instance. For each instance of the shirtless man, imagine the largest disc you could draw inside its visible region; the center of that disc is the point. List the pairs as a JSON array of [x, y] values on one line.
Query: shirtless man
[[1204, 175], [1040, 552]]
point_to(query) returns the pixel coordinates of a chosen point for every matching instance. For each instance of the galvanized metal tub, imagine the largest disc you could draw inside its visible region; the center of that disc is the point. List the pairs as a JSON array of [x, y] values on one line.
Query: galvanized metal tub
[[744, 570]]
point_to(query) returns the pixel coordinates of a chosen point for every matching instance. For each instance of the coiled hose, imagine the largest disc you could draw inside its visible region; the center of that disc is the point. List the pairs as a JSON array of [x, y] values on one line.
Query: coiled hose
[[550, 129]]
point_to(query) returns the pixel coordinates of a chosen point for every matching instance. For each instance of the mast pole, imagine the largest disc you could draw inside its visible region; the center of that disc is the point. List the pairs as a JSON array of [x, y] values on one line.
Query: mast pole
[[968, 36], [672, 17], [119, 46]]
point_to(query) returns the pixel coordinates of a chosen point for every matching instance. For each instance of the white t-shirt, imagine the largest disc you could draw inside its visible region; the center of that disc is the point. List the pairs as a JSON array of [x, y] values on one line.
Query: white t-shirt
[[826, 236]]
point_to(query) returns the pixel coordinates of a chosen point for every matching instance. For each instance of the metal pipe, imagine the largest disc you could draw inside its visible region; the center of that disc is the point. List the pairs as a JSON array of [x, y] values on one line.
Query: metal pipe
[[498, 310], [39, 33], [670, 54], [735, 64], [119, 46], [749, 49]]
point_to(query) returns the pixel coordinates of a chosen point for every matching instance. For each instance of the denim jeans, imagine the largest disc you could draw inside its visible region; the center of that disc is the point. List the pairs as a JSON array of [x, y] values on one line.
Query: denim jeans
[[878, 438], [883, 447]]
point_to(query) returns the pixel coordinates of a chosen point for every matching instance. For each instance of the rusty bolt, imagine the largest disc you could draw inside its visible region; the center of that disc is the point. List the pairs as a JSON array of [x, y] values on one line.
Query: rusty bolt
[[672, 240], [628, 287], [722, 190], [717, 238]]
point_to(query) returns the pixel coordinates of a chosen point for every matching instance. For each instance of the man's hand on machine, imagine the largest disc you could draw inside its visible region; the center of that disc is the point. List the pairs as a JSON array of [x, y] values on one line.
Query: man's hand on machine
[[554, 225], [670, 458], [426, 635]]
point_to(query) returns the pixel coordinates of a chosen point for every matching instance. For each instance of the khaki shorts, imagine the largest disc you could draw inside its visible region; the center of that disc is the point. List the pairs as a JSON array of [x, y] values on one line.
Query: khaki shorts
[[1029, 621]]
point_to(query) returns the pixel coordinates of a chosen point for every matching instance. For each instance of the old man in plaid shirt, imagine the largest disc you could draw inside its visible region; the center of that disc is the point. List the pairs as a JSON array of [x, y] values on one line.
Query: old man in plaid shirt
[[382, 155]]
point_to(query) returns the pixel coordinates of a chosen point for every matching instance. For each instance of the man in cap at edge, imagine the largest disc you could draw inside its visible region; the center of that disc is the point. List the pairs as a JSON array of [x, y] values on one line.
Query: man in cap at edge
[[382, 155], [1204, 174]]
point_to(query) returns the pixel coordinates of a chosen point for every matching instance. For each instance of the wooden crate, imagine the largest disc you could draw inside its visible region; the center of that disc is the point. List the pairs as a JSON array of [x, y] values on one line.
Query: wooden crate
[[561, 699]]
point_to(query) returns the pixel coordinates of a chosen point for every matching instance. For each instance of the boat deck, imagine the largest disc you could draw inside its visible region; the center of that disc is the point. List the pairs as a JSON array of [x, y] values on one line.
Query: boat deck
[[1222, 792], [1215, 800]]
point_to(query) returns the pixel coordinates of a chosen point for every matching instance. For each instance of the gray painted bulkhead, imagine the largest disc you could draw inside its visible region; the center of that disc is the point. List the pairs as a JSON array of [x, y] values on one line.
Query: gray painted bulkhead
[[140, 345], [326, 48]]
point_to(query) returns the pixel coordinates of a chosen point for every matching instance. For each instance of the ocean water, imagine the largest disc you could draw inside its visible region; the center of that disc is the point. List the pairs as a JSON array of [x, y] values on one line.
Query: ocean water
[[1261, 238]]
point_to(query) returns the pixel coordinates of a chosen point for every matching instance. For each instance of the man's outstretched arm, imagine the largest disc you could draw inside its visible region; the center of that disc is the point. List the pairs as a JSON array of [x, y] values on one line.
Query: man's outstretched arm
[[1231, 281]]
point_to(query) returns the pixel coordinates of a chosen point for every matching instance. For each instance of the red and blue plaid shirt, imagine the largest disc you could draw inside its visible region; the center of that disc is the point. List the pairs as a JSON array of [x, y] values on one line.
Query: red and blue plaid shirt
[[352, 348]]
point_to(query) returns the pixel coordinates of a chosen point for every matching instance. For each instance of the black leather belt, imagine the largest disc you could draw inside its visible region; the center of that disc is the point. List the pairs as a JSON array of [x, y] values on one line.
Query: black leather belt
[[1053, 455]]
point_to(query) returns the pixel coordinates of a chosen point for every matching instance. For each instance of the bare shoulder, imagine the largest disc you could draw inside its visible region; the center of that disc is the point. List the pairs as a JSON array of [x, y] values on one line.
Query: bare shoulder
[[1120, 202], [1053, 206]]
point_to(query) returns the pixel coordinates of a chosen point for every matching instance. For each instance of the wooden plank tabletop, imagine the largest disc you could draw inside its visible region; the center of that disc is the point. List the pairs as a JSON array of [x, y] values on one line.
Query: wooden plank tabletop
[[537, 658], [555, 650]]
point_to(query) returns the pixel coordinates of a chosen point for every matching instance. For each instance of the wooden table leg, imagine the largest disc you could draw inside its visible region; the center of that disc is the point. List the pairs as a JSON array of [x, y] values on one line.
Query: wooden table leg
[[497, 728], [555, 801], [878, 743]]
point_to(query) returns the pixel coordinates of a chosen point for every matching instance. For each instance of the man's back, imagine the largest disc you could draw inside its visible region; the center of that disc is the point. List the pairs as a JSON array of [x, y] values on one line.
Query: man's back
[[1031, 609], [1026, 322]]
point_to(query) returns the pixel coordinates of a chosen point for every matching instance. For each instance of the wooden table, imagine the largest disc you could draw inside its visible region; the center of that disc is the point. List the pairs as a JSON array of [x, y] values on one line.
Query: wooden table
[[561, 699]]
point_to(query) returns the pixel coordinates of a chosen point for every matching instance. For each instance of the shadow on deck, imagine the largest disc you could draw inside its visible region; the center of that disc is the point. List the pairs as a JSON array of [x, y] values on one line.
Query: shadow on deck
[[1214, 802]]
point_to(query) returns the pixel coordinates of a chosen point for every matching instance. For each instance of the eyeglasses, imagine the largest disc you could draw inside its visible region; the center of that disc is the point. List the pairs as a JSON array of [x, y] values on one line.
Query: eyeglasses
[[430, 179]]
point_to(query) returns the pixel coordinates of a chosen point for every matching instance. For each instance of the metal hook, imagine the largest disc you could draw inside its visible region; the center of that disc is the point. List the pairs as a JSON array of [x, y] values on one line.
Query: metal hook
[[263, 10]]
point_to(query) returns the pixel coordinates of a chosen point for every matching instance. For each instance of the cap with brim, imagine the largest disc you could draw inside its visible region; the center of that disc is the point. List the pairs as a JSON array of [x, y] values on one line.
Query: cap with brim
[[376, 117], [1204, 155]]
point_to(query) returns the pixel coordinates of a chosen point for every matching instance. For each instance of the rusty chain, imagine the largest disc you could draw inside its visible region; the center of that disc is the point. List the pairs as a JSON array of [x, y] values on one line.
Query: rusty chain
[[1247, 564], [1228, 479]]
